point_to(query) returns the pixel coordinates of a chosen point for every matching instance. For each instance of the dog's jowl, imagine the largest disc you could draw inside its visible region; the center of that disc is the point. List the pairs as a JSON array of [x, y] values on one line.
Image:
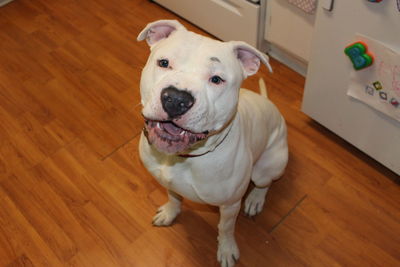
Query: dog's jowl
[[204, 138]]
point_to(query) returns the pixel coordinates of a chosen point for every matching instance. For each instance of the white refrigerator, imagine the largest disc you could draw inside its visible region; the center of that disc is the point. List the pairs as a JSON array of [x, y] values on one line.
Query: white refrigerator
[[331, 74]]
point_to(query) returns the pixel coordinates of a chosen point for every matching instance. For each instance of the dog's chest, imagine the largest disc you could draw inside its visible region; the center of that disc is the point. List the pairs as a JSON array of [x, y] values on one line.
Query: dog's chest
[[176, 179]]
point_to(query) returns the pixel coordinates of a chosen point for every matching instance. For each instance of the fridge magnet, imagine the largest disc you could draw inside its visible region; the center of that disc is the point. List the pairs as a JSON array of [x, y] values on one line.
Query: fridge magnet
[[369, 90], [359, 55], [375, 1], [394, 102], [378, 86]]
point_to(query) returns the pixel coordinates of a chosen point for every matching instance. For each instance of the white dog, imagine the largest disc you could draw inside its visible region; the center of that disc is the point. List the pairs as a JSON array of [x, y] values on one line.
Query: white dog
[[204, 139]]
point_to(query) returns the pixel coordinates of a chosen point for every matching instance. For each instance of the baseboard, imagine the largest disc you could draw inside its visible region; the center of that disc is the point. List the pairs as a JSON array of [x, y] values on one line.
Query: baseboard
[[4, 2], [287, 59]]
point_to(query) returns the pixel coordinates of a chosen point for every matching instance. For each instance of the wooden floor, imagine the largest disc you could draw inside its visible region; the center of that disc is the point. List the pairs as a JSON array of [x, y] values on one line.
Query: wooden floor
[[74, 193]]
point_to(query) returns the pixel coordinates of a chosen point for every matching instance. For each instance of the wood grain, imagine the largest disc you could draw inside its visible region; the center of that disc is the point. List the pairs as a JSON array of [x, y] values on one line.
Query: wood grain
[[73, 191]]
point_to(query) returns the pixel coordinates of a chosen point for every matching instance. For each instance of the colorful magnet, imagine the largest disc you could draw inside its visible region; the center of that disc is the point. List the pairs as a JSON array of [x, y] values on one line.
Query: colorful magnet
[[383, 95], [359, 56], [394, 102], [375, 1], [377, 85], [369, 90]]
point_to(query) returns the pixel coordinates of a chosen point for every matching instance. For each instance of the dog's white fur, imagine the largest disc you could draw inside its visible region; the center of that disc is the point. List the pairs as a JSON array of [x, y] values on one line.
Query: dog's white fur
[[248, 139]]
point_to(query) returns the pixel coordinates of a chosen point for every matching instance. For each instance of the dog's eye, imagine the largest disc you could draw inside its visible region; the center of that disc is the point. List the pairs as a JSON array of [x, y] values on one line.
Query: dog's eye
[[163, 63], [216, 79]]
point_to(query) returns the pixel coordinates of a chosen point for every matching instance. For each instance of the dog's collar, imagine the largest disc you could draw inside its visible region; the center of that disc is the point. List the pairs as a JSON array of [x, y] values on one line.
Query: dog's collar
[[192, 155], [202, 154]]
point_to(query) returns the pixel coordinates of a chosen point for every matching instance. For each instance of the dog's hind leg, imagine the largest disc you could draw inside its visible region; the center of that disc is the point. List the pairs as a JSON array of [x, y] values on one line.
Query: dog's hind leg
[[269, 167], [167, 213]]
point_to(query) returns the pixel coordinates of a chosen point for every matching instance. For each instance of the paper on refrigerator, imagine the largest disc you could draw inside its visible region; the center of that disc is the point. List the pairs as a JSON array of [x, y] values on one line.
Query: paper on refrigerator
[[378, 85]]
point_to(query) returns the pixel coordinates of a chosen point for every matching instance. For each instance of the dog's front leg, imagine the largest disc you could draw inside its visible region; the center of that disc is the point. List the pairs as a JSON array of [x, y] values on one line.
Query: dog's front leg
[[228, 252], [168, 212]]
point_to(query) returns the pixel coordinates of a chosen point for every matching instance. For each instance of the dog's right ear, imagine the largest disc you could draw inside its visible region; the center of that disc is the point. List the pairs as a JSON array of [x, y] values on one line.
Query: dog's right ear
[[158, 30]]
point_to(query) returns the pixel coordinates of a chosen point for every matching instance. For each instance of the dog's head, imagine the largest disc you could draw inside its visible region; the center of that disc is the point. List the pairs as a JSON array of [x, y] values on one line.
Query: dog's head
[[190, 84]]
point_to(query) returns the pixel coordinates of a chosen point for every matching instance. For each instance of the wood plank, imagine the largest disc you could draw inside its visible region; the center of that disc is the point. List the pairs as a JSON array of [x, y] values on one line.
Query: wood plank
[[324, 230], [22, 191], [21, 237], [21, 261]]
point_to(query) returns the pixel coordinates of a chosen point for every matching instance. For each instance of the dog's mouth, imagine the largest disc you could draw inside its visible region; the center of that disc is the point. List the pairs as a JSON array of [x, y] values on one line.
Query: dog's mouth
[[169, 138]]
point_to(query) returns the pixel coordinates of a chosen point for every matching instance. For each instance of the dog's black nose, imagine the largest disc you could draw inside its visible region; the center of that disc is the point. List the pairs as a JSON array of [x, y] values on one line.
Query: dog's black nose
[[176, 102]]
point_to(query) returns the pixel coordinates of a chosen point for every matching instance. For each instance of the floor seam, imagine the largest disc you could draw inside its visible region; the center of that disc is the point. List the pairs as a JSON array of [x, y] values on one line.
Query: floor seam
[[287, 215], [120, 146]]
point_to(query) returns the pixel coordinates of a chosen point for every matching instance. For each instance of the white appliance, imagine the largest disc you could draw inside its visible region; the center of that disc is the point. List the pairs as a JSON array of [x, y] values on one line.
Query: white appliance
[[275, 26], [329, 71], [226, 19], [288, 30]]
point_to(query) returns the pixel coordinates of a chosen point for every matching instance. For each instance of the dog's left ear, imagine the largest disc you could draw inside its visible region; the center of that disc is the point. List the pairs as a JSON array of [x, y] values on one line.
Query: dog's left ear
[[158, 30], [249, 57]]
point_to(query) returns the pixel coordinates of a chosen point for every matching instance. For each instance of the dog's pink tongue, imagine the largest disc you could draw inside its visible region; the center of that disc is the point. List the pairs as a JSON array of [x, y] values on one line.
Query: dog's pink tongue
[[171, 128]]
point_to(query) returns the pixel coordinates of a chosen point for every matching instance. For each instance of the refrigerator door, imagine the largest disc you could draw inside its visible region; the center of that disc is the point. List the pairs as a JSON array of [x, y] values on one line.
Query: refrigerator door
[[329, 72]]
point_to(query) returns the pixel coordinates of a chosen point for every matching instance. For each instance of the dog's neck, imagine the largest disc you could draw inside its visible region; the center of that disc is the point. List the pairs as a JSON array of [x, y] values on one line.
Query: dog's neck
[[218, 136]]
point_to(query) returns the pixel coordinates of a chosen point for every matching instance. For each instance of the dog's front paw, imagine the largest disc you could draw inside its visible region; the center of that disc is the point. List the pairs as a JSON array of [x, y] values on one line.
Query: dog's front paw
[[254, 202], [166, 214], [228, 252]]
